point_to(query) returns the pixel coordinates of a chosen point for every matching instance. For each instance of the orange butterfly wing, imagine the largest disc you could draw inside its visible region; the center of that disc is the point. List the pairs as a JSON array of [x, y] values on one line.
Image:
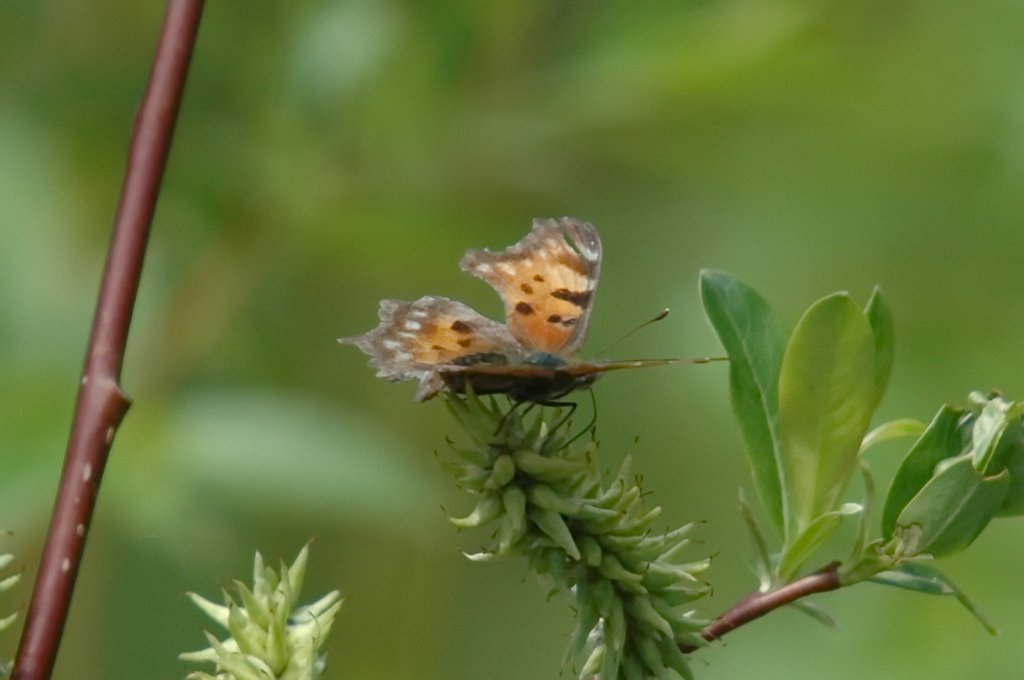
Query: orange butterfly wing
[[546, 284], [414, 340]]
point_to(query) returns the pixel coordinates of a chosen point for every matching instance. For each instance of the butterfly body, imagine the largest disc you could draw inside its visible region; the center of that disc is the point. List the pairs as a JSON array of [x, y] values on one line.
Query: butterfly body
[[525, 383], [547, 283]]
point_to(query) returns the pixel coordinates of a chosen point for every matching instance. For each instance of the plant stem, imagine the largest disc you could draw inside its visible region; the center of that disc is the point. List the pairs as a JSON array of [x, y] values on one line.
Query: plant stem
[[101, 403], [756, 605]]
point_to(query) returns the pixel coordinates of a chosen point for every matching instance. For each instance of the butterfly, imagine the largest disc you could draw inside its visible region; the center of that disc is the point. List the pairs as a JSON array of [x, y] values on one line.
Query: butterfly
[[547, 283]]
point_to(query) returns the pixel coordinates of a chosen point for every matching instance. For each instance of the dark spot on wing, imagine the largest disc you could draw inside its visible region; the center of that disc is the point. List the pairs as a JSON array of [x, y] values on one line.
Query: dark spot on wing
[[538, 278], [436, 348], [481, 358], [465, 342], [461, 327], [524, 308], [580, 299], [526, 288], [565, 321]]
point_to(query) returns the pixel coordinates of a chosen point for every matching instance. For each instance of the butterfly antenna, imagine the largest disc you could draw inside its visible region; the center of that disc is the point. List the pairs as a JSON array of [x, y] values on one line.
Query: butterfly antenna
[[657, 317]]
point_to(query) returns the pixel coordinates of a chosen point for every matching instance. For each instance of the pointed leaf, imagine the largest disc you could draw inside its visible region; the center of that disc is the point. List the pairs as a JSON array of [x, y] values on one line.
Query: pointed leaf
[[941, 440], [1013, 441], [915, 576], [815, 611], [762, 558], [923, 578], [997, 439], [894, 429], [880, 317], [810, 539], [992, 420], [751, 336], [951, 509], [864, 525], [826, 396]]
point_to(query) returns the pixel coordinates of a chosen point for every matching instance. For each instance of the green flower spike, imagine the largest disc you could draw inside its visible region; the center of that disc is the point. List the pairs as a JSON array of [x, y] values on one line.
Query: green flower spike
[[591, 542], [6, 584], [270, 639]]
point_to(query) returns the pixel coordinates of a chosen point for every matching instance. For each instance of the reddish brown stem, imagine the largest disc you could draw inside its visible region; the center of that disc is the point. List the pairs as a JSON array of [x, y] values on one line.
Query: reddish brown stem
[[101, 404], [756, 605]]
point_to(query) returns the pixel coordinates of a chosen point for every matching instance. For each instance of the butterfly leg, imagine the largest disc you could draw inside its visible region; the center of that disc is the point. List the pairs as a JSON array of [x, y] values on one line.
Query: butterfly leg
[[590, 426], [515, 405], [530, 405], [571, 405]]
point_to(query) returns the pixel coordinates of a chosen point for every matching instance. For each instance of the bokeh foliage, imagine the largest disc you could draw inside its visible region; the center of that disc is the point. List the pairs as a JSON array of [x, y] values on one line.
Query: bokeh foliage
[[332, 153]]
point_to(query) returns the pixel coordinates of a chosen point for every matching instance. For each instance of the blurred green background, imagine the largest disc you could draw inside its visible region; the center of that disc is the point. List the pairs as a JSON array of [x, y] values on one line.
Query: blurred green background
[[330, 154]]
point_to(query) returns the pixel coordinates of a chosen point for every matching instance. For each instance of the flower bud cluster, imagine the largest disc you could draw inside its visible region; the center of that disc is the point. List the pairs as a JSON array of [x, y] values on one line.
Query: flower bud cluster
[[589, 541], [271, 638]]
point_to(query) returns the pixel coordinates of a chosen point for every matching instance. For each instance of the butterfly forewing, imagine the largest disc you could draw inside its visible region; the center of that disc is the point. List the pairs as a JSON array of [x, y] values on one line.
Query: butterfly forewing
[[546, 284]]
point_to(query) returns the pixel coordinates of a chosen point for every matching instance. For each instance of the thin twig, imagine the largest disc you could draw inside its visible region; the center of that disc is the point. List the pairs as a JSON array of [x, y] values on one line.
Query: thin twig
[[101, 404], [756, 605]]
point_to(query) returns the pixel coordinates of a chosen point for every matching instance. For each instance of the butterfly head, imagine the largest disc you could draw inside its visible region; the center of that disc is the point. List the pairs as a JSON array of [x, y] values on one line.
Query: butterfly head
[[546, 360]]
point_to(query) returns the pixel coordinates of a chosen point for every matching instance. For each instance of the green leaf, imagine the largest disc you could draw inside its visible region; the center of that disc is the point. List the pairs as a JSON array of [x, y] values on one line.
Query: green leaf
[[860, 545], [949, 512], [894, 429], [754, 342], [923, 578], [880, 317], [826, 396], [815, 611], [941, 440], [1013, 441], [762, 559], [866, 561], [800, 549], [992, 419]]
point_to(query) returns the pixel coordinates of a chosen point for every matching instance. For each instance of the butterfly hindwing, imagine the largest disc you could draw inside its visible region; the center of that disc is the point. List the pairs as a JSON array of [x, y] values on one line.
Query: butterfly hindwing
[[415, 339]]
